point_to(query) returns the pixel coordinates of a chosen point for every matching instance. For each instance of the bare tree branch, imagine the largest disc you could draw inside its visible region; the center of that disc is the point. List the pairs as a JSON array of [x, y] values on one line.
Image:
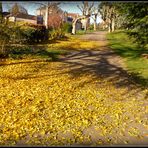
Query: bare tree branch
[[90, 7], [81, 9]]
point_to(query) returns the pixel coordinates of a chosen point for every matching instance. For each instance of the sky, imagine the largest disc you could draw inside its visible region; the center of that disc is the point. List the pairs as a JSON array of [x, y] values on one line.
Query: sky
[[31, 6]]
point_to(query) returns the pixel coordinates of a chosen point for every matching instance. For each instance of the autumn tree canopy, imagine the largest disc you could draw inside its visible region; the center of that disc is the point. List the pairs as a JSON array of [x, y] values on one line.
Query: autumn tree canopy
[[55, 17]]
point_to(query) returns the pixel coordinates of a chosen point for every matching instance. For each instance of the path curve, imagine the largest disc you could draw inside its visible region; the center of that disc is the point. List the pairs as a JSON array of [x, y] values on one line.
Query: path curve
[[105, 63], [102, 61]]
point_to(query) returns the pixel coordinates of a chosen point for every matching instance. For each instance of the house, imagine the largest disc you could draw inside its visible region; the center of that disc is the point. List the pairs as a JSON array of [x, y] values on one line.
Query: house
[[21, 17], [52, 10], [18, 13], [66, 17], [40, 17], [5, 14], [73, 15]]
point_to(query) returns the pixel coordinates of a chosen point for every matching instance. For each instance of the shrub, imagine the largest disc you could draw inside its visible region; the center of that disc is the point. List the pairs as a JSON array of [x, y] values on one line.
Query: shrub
[[27, 34], [5, 35], [9, 34], [34, 33], [16, 33], [136, 21], [67, 28], [57, 34], [55, 20]]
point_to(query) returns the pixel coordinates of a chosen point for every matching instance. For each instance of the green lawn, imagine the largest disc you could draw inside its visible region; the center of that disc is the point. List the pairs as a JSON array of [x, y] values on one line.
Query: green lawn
[[132, 54]]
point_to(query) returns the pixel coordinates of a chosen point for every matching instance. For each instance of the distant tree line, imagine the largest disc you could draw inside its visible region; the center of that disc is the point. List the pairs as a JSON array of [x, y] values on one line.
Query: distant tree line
[[132, 16]]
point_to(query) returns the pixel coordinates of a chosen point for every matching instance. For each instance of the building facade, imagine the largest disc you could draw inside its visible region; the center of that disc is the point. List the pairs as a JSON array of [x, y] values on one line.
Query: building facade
[[65, 16]]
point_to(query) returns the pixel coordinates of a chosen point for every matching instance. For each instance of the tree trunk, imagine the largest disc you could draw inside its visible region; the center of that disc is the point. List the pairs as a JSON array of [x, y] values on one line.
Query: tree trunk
[[1, 12], [74, 23], [85, 24], [109, 26], [113, 25], [46, 16], [95, 26], [103, 25], [74, 27], [3, 48], [95, 23]]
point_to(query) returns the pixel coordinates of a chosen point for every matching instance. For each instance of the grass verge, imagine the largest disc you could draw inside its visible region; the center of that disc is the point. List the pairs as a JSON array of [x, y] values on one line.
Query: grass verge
[[132, 54]]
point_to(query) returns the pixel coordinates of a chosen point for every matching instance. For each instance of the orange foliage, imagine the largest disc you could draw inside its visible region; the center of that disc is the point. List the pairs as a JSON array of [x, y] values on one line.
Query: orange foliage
[[55, 21]]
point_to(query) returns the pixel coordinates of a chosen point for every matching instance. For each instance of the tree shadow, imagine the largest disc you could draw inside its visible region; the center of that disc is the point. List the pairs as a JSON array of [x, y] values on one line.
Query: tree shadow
[[42, 51], [53, 40], [96, 62], [99, 64], [128, 52], [56, 40]]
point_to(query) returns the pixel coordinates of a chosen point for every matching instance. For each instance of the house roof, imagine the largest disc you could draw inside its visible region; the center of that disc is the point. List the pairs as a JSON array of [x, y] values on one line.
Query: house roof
[[5, 13], [73, 15], [25, 16]]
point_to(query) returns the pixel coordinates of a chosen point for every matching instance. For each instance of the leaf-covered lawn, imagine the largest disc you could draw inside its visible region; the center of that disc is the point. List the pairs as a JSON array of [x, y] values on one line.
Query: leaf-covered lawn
[[41, 103]]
